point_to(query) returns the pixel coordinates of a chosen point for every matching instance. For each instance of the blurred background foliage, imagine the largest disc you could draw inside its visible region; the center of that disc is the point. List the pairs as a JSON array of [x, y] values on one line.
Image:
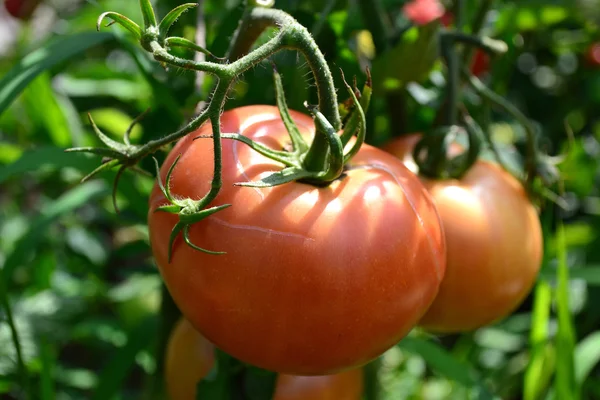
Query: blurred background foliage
[[83, 290]]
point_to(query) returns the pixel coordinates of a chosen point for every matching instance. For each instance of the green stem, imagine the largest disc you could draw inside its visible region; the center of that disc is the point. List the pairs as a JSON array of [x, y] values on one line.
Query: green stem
[[15, 338], [514, 112], [320, 23], [245, 35], [485, 43], [317, 153], [377, 22], [476, 27], [454, 66], [295, 37]]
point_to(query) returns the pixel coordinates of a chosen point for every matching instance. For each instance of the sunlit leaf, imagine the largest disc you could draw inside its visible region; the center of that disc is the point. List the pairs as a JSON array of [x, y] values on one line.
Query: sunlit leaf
[[44, 58]]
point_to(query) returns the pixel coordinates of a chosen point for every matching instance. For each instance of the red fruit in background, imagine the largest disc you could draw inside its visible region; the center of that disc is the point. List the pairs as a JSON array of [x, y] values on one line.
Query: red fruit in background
[[422, 12], [447, 19], [481, 60], [593, 55], [480, 63], [21, 9]]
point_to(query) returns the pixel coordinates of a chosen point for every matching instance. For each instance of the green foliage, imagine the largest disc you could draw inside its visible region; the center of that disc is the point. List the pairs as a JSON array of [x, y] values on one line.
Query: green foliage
[[79, 279]]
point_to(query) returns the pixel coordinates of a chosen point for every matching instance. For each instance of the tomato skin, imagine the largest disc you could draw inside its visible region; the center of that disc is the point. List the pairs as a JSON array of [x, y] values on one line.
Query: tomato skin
[[21, 9], [190, 357], [494, 244], [315, 280]]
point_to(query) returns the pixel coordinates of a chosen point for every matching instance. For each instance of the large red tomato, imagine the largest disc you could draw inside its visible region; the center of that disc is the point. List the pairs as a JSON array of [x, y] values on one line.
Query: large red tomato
[[316, 279], [494, 244], [190, 357]]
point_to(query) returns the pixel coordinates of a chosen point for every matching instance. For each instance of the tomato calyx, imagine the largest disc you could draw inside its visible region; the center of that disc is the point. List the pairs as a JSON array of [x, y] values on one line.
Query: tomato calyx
[[154, 32], [323, 161], [188, 210], [433, 156]]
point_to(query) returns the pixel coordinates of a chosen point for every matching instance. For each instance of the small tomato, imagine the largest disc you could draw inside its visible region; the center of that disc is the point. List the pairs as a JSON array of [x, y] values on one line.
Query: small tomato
[[315, 280], [422, 12], [21, 9], [190, 357], [494, 244], [593, 55]]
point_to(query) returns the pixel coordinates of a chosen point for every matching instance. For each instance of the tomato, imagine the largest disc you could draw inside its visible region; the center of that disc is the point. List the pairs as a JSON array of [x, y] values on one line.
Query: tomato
[[422, 12], [481, 60], [315, 280], [481, 63], [190, 357], [593, 55], [22, 9], [494, 244]]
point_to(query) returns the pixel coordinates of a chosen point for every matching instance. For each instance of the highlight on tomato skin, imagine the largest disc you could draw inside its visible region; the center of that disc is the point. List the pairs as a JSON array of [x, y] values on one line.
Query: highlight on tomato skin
[[21, 9], [301, 261], [494, 244], [189, 358]]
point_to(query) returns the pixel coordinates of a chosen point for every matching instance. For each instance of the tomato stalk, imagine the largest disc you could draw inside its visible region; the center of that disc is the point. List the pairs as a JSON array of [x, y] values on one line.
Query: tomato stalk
[[319, 163]]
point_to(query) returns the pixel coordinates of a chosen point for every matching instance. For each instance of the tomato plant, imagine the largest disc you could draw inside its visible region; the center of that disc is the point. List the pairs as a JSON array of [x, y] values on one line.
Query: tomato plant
[[494, 244], [300, 260], [190, 357]]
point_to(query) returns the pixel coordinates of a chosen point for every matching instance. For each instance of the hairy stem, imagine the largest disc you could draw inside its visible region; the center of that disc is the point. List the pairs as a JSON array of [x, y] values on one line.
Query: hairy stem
[[295, 37]]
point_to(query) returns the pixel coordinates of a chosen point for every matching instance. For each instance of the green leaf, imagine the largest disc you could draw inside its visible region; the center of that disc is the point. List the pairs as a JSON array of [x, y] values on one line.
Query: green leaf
[[42, 105], [539, 369], [587, 356], [44, 58], [42, 157], [117, 369], [67, 203], [565, 385], [444, 363]]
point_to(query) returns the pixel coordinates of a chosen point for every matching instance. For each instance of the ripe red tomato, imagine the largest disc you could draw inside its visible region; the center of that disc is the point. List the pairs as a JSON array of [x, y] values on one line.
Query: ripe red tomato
[[190, 357], [316, 279], [494, 244], [22, 9]]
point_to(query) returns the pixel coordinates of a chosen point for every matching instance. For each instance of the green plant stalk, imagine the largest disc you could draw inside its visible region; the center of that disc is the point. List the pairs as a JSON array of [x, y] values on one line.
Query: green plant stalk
[[514, 112], [454, 66], [476, 27], [317, 27], [565, 383], [24, 376], [246, 34]]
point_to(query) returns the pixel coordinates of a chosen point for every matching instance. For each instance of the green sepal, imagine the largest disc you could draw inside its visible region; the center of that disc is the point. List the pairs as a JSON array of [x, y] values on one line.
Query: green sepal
[[120, 147], [298, 143], [357, 120], [99, 151], [335, 164], [148, 13], [283, 157], [175, 41], [121, 20], [286, 175], [104, 166], [173, 15]]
